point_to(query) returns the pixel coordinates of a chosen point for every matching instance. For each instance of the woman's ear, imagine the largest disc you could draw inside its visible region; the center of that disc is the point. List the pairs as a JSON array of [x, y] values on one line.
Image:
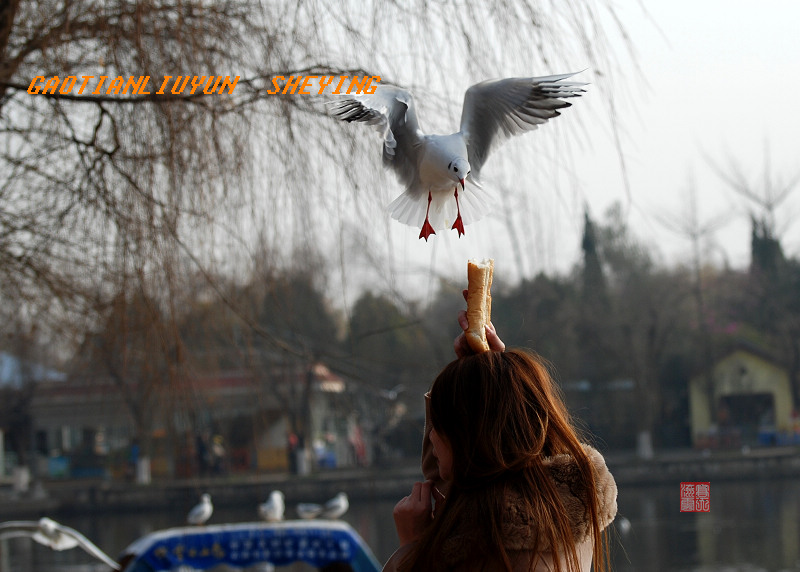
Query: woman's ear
[[430, 468], [443, 452]]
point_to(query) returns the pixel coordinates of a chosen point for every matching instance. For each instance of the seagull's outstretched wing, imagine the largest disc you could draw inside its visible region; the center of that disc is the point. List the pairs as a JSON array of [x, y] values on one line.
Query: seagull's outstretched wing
[[18, 529], [391, 110], [56, 536], [495, 110]]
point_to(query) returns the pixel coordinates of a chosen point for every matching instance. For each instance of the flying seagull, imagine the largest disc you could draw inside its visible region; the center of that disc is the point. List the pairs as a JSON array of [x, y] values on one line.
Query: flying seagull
[[273, 509], [201, 512], [54, 535], [432, 167]]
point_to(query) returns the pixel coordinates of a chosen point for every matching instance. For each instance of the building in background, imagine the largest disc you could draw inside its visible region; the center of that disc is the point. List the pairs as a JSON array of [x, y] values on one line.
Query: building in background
[[233, 421], [19, 379], [745, 401]]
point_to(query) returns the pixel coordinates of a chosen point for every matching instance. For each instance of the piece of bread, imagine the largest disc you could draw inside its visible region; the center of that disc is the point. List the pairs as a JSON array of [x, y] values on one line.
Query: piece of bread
[[479, 302]]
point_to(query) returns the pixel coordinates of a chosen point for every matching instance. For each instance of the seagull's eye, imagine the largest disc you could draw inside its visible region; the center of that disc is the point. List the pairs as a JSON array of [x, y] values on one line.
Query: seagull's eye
[[455, 169]]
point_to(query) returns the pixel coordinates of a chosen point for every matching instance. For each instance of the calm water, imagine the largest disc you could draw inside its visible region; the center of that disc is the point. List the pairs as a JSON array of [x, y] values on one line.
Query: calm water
[[752, 526]]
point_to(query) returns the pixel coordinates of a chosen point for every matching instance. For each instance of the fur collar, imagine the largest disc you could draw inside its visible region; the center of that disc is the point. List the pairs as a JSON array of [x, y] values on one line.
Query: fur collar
[[519, 529]]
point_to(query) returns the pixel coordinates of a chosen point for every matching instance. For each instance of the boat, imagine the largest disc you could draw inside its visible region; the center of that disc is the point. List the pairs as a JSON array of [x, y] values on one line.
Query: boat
[[322, 544]]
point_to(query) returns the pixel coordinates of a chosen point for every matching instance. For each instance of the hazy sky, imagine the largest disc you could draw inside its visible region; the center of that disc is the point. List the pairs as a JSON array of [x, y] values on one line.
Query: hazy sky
[[722, 84], [719, 82]]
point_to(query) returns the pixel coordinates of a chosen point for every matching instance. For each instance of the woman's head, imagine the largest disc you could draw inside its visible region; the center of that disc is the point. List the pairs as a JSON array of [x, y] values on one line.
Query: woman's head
[[499, 416], [499, 412]]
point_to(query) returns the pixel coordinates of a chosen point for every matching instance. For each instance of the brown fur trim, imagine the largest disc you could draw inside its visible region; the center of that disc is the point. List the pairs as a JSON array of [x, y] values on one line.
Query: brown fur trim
[[519, 529]]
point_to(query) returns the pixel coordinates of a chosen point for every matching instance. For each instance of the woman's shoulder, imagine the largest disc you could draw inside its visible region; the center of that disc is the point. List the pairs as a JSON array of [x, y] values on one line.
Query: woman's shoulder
[[574, 492], [520, 529]]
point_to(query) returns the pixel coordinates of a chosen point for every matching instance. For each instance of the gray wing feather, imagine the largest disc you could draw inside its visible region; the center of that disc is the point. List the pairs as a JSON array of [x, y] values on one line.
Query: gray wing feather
[[56, 536], [495, 110], [391, 110], [88, 546]]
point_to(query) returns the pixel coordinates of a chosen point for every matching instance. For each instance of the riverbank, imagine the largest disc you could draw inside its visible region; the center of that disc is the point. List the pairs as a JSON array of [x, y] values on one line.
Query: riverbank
[[67, 496]]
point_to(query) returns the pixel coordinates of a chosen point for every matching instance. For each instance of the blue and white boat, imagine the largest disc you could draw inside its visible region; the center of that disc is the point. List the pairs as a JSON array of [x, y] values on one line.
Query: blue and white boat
[[248, 546]]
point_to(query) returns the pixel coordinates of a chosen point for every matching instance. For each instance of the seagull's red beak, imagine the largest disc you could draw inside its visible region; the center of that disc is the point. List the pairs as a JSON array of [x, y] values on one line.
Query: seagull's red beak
[[462, 183]]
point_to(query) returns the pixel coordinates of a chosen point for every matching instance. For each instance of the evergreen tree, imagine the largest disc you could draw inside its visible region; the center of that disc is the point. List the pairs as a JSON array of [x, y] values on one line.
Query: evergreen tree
[[766, 257], [594, 309]]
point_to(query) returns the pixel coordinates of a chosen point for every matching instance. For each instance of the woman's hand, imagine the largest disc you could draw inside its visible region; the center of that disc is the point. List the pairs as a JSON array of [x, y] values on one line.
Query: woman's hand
[[413, 513], [460, 344]]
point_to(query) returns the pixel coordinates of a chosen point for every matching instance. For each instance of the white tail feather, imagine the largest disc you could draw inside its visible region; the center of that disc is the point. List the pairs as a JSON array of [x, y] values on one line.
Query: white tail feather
[[476, 202], [410, 207]]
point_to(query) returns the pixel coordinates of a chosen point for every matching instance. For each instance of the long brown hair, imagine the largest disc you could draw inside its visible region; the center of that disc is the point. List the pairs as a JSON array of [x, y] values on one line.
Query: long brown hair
[[502, 415]]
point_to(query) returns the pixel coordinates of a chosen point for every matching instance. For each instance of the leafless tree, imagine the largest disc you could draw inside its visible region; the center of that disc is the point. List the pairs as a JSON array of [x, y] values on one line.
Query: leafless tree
[[687, 225], [102, 185], [763, 196], [108, 194], [773, 279], [649, 309]]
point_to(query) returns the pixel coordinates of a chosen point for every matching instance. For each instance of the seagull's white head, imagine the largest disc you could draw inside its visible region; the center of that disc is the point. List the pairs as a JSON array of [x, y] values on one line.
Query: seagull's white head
[[48, 527], [459, 169]]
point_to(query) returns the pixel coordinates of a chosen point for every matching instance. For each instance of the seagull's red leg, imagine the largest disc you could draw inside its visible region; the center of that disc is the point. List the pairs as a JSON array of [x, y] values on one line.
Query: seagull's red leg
[[459, 224], [427, 229]]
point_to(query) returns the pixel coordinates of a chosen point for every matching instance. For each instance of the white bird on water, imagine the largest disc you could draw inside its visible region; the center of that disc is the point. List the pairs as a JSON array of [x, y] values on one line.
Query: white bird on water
[[334, 508], [623, 525], [432, 167], [273, 509], [201, 512], [54, 535]]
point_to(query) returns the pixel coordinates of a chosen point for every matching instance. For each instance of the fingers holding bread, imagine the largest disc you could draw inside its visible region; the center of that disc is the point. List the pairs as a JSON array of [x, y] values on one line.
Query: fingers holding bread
[[461, 344], [494, 341]]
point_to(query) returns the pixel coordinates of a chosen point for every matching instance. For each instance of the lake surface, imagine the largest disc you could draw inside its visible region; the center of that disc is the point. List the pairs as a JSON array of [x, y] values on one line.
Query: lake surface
[[752, 527]]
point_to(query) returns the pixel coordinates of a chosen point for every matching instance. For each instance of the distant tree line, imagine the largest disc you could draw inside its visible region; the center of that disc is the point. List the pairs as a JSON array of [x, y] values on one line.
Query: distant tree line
[[623, 334]]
